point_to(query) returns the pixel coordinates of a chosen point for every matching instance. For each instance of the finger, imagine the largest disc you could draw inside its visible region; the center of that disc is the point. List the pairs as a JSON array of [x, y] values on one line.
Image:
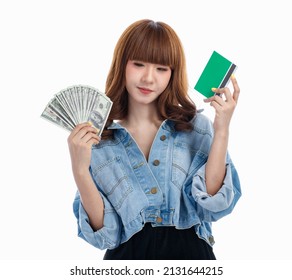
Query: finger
[[235, 87], [216, 106], [77, 129], [215, 98], [208, 100], [211, 98], [227, 94], [223, 91], [93, 142], [219, 100], [216, 91], [84, 130], [90, 135]]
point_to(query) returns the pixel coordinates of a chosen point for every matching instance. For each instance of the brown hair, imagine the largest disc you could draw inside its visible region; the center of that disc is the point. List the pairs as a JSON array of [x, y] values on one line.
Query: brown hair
[[153, 42]]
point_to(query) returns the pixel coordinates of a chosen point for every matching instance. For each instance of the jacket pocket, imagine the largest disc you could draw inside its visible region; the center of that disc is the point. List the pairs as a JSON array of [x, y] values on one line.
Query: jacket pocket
[[113, 181], [185, 162], [181, 160]]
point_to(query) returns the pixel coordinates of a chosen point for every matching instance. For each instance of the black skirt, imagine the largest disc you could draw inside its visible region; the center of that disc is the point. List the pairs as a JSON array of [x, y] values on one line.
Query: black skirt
[[162, 243]]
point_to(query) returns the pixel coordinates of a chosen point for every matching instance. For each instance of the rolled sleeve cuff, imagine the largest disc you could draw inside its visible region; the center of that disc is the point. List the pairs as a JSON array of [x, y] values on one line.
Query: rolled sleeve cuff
[[214, 203], [108, 237]]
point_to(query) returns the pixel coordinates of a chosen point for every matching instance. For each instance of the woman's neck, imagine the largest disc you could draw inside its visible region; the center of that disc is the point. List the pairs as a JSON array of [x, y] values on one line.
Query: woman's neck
[[142, 115]]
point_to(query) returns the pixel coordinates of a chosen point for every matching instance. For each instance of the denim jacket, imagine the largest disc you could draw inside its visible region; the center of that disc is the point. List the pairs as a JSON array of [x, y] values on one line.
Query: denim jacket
[[167, 190]]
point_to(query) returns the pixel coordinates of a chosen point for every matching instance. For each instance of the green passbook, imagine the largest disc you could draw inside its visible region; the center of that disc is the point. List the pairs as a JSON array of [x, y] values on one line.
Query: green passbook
[[216, 74]]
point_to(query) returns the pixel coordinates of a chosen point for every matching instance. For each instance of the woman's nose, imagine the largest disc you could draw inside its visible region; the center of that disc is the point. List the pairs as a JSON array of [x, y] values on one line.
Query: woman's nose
[[148, 74]]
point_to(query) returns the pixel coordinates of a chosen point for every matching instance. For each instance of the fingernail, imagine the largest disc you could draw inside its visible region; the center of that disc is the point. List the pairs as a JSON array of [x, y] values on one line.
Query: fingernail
[[213, 89], [90, 123], [232, 76]]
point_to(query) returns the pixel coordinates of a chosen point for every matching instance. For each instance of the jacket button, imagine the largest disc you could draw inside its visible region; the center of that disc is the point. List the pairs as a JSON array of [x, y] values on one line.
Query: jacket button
[[153, 190], [156, 162], [211, 239], [159, 220], [162, 137]]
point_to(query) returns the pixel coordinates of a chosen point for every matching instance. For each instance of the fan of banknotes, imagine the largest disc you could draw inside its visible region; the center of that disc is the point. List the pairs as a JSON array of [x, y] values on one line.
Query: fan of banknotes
[[77, 104]]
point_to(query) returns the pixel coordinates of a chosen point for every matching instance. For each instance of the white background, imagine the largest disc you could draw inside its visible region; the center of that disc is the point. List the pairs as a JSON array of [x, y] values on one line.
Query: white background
[[49, 45]]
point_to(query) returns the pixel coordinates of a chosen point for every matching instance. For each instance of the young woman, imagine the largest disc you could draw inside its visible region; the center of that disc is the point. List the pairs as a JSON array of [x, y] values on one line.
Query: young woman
[[151, 187]]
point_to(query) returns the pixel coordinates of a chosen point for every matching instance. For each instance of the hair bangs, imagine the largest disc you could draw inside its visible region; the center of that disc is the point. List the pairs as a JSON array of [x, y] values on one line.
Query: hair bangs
[[153, 45]]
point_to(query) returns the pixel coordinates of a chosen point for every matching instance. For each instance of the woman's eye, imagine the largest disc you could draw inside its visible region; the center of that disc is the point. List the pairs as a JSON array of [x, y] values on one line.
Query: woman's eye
[[162, 69], [138, 64]]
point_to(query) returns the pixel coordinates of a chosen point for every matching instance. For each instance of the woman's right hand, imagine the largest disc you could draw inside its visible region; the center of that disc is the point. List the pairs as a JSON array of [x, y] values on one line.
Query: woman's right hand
[[82, 137]]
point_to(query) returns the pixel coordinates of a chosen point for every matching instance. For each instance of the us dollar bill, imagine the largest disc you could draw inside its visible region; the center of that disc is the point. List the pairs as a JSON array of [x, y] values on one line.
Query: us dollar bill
[[99, 112], [77, 104], [53, 117]]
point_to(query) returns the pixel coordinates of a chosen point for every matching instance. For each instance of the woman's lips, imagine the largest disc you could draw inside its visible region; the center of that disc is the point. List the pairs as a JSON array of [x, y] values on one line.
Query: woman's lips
[[145, 90]]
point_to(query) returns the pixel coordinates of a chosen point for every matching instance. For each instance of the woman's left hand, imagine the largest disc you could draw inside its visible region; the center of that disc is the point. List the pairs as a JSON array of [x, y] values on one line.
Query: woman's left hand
[[224, 103]]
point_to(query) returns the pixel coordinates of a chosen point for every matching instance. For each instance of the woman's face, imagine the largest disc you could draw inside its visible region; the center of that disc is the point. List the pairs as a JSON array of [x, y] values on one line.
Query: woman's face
[[146, 81]]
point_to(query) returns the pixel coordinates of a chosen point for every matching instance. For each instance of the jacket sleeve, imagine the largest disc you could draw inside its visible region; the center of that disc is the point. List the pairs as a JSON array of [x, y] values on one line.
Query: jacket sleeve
[[108, 237], [214, 207]]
